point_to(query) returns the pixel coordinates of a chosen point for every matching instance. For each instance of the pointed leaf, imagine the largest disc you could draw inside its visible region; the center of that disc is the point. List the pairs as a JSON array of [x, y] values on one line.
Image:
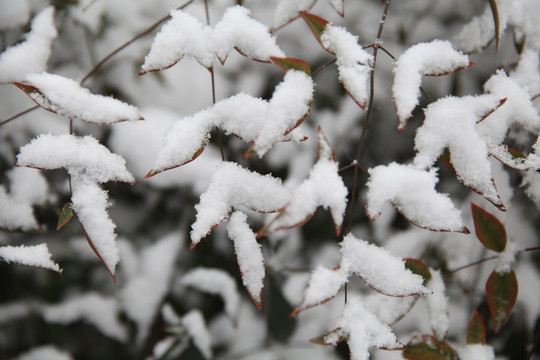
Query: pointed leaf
[[476, 331], [315, 23], [291, 64], [489, 230], [418, 267], [339, 6], [287, 11], [501, 295], [65, 216], [495, 12], [324, 149], [428, 347], [35, 256], [509, 157], [332, 337]]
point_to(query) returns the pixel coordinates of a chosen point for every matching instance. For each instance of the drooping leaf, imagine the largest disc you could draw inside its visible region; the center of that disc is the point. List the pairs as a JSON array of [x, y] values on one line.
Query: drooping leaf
[[291, 64], [418, 267], [489, 230], [501, 295], [476, 331], [426, 347], [65, 216], [495, 12], [315, 23]]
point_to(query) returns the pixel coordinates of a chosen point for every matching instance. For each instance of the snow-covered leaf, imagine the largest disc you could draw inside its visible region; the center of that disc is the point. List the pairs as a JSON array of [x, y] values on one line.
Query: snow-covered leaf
[[428, 347], [66, 97], [195, 326], [316, 24], [249, 256], [501, 295], [233, 186], [215, 282], [31, 55], [418, 267], [489, 230], [15, 215], [452, 123], [94, 308], [185, 36], [434, 58], [476, 331], [288, 10], [509, 157], [439, 316], [332, 337], [35, 256], [324, 187], [79, 155], [412, 192]]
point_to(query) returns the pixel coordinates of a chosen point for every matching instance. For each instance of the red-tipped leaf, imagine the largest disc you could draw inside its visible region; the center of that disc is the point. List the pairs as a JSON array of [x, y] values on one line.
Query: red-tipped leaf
[[489, 230], [316, 24], [476, 331], [291, 64], [65, 216], [501, 295]]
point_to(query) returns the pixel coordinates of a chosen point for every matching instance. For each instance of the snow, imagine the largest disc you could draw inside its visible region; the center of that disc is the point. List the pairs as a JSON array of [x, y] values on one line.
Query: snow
[[195, 325], [288, 10], [185, 36], [66, 97], [323, 285], [389, 309], [434, 58], [452, 123], [526, 73], [248, 254], [149, 282], [14, 14], [28, 185], [439, 316], [476, 352], [36, 255], [412, 192], [233, 186], [31, 55], [354, 63], [215, 282], [94, 308], [14, 214], [44, 352], [83, 156]]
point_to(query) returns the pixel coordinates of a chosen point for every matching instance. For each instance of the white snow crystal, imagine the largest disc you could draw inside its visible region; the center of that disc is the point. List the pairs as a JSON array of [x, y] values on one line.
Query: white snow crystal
[[195, 325], [234, 186], [31, 55], [476, 352], [412, 192], [433, 58], [439, 317], [66, 97], [248, 254], [36, 255]]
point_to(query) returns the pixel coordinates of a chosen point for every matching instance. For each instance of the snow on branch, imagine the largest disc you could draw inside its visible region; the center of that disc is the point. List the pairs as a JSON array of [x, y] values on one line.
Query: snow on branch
[[233, 186], [255, 120], [452, 123], [324, 187], [35, 256], [412, 192], [288, 10], [185, 36], [31, 55], [196, 327], [374, 265], [435, 58], [66, 97]]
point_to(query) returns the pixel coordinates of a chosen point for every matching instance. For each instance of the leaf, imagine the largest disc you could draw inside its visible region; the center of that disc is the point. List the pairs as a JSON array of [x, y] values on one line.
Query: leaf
[[509, 157], [66, 97], [489, 230], [65, 216], [412, 192], [434, 58], [287, 11], [476, 331], [291, 64], [501, 295], [332, 337], [315, 23], [438, 308], [418, 267], [195, 325], [35, 256], [425, 347], [495, 12]]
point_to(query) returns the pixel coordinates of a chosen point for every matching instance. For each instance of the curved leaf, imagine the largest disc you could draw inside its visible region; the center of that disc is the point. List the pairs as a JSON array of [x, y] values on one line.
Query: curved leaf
[[489, 230], [501, 295], [427, 347], [495, 12], [65, 216], [476, 331], [316, 24], [291, 64]]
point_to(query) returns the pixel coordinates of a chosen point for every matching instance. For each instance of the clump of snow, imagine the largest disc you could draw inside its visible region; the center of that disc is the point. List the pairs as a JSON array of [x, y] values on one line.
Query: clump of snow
[[79, 155], [215, 282], [439, 316], [476, 352], [526, 73], [354, 63], [36, 255], [44, 352], [288, 10], [434, 58], [412, 192], [234, 186], [15, 214], [31, 55], [452, 123], [248, 254], [94, 308], [323, 285], [508, 257], [28, 185], [195, 326], [66, 97]]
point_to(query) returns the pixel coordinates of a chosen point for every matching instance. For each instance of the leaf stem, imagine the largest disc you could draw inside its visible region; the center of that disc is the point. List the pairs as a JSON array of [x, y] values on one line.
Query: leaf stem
[[324, 66], [488, 259]]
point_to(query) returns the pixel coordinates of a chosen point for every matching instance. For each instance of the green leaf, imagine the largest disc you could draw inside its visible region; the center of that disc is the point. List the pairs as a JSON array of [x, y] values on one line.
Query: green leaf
[[501, 295], [65, 216], [427, 347], [291, 64], [489, 230], [418, 267], [495, 12], [476, 332], [316, 24]]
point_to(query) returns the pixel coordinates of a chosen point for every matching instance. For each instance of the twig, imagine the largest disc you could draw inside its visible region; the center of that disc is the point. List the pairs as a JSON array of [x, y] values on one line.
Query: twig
[[324, 66], [489, 259], [18, 115]]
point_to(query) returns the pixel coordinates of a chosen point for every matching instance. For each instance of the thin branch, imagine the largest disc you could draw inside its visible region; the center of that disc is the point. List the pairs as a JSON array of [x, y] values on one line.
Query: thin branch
[[324, 66], [488, 259], [18, 115]]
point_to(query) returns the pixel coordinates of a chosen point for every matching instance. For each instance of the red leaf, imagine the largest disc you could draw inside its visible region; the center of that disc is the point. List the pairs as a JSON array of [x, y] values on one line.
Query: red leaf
[[316, 24], [501, 295], [65, 216], [476, 332], [489, 230], [427, 347], [291, 64]]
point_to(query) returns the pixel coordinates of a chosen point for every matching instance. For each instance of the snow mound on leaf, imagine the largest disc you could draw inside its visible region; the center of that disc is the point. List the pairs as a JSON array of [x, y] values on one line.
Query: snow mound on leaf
[[36, 255], [31, 55], [439, 316], [288, 10], [195, 326], [412, 192]]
